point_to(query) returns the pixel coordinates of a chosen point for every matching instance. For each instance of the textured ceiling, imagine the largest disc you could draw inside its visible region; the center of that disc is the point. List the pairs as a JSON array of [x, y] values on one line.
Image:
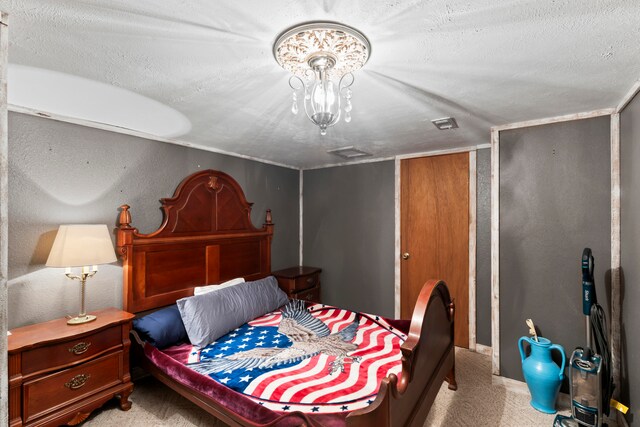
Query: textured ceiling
[[486, 62]]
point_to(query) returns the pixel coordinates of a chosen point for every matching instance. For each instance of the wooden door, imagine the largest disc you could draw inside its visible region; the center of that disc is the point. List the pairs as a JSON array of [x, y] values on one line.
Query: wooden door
[[434, 237]]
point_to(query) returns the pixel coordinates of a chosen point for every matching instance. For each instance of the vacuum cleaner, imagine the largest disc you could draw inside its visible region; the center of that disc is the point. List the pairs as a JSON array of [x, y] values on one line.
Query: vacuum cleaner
[[590, 378]]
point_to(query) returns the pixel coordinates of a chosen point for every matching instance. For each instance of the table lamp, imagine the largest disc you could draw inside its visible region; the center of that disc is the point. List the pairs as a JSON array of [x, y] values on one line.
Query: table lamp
[[85, 246]]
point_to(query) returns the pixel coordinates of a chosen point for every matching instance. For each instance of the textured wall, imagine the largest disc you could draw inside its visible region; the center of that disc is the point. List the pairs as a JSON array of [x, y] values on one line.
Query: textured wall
[[554, 201], [62, 173], [630, 251], [483, 247], [349, 233]]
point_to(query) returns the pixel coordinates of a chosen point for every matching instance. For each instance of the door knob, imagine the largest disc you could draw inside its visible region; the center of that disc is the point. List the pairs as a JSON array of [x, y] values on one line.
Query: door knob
[[405, 256]]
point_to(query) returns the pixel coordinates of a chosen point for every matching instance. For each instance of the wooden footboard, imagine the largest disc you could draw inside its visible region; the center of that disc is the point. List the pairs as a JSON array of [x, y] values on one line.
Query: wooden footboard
[[428, 358]]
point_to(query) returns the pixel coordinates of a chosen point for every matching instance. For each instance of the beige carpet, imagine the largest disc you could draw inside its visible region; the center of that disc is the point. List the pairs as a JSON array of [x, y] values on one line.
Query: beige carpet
[[477, 402]]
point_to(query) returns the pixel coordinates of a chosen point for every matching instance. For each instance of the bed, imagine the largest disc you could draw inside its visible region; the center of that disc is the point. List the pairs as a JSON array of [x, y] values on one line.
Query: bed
[[207, 237]]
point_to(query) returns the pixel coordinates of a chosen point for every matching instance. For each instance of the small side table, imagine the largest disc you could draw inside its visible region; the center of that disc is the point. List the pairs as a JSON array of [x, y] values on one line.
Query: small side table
[[300, 282], [59, 373]]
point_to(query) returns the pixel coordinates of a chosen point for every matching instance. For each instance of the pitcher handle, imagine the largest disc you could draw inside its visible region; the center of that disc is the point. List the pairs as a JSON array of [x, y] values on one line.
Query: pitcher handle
[[561, 350], [522, 348]]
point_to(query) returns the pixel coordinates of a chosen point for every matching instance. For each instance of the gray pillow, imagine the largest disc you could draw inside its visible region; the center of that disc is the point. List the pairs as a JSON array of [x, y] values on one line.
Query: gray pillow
[[209, 316]]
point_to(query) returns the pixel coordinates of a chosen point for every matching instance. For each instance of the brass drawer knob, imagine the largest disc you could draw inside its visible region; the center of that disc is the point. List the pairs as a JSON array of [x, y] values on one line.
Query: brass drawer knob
[[80, 348], [77, 382], [405, 256]]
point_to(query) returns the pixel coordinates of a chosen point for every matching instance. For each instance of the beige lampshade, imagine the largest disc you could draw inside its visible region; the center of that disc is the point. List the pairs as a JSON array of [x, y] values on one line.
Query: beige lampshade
[[81, 245]]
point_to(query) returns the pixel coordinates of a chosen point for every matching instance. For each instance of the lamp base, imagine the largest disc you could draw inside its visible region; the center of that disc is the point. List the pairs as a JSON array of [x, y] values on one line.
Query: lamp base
[[80, 320]]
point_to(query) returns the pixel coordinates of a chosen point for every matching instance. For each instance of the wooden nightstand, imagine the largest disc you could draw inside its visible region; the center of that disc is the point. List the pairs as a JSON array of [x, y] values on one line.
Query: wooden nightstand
[[300, 282], [59, 373]]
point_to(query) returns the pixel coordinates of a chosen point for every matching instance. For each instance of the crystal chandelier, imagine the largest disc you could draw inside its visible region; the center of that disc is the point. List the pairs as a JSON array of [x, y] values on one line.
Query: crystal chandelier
[[322, 56]]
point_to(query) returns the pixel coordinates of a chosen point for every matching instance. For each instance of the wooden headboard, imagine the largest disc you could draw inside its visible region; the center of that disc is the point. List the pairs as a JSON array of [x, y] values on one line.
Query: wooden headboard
[[206, 237]]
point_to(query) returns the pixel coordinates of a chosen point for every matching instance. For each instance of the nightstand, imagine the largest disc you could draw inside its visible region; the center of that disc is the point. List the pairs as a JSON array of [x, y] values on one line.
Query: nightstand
[[59, 373], [300, 282]]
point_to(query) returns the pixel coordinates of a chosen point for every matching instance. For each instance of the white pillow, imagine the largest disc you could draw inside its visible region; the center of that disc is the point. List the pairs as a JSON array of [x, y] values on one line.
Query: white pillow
[[199, 290]]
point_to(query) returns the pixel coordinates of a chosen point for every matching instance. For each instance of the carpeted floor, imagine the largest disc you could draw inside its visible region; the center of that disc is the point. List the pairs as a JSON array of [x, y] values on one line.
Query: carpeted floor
[[477, 402]]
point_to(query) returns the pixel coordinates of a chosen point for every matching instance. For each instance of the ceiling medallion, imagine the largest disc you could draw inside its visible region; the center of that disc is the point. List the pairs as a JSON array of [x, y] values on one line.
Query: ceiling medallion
[[322, 57]]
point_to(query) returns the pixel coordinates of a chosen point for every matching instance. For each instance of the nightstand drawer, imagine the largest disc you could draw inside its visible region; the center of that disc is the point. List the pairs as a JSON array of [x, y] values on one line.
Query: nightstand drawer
[[50, 393], [308, 295], [307, 282], [70, 352]]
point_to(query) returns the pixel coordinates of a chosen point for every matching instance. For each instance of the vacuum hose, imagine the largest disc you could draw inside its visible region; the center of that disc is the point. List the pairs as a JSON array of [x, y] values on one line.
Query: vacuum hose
[[599, 328]]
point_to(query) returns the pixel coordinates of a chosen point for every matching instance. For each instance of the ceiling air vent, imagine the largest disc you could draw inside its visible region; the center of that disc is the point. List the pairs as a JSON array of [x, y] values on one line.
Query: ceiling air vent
[[445, 123], [349, 152]]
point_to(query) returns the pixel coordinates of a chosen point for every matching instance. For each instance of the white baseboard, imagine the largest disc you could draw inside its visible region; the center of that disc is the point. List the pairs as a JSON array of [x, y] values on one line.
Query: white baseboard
[[520, 387], [622, 421], [483, 349]]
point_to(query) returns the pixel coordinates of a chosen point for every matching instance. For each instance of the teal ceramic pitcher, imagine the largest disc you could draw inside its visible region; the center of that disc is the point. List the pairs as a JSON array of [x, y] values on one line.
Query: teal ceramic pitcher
[[542, 374]]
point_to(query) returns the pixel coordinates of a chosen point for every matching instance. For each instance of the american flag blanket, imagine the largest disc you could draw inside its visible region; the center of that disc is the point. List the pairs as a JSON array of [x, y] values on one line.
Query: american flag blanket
[[316, 359]]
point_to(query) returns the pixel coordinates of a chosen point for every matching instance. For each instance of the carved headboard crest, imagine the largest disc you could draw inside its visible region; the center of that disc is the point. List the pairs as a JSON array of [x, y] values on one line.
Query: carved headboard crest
[[207, 202]]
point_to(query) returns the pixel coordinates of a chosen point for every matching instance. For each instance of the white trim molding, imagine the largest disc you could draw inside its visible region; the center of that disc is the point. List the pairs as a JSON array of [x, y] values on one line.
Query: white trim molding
[[557, 119], [484, 349], [441, 152], [397, 239], [495, 251], [350, 163], [472, 248], [622, 421], [616, 300], [301, 223], [629, 96], [4, 227]]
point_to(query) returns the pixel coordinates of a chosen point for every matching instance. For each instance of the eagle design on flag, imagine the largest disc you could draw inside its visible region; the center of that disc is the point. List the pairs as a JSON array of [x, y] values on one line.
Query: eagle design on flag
[[309, 337]]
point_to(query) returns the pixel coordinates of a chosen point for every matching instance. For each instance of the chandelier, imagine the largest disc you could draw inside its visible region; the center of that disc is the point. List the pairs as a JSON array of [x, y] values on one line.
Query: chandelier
[[322, 56]]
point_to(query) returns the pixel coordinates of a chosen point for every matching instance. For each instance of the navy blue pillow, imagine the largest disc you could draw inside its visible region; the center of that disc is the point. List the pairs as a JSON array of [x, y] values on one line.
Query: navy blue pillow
[[162, 328]]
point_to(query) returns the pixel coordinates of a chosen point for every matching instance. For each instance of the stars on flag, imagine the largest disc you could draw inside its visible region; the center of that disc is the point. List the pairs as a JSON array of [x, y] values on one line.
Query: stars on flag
[[244, 338]]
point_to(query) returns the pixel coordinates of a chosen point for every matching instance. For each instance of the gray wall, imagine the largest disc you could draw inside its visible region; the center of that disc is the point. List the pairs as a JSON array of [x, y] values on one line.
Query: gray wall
[[349, 233], [630, 251], [554, 201], [60, 173], [483, 247]]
